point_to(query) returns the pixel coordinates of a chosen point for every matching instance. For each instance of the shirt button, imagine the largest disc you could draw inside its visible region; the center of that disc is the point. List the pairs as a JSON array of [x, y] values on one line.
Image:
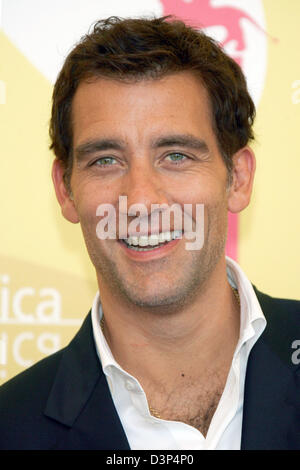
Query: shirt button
[[129, 386]]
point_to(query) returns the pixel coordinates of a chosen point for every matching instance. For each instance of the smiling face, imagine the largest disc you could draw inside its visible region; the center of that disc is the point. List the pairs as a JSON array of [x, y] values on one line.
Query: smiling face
[[153, 142]]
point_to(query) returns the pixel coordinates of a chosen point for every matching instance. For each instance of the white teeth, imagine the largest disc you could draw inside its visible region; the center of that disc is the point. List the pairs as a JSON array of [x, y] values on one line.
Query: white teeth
[[134, 240], [143, 240], [153, 240], [161, 237]]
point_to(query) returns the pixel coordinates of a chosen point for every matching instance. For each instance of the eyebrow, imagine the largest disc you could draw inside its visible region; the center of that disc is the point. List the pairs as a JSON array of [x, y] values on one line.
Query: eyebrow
[[182, 140], [92, 146]]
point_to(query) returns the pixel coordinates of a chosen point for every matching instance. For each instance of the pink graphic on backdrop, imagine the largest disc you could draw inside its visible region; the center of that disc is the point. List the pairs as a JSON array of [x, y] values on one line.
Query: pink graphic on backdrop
[[202, 14]]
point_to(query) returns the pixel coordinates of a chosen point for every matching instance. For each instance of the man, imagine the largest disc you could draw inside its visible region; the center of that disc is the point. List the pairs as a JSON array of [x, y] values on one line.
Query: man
[[179, 351]]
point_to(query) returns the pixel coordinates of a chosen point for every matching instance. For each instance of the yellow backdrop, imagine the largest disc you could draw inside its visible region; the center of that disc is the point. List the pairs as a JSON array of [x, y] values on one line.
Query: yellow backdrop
[[46, 281]]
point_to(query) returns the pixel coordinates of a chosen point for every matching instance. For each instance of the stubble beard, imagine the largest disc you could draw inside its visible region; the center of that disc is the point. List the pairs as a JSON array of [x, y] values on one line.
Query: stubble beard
[[191, 276]]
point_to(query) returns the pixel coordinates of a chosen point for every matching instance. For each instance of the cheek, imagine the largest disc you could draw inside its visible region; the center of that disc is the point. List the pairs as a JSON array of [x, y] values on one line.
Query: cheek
[[217, 217], [89, 195], [95, 203], [215, 211], [211, 196], [86, 207], [202, 186]]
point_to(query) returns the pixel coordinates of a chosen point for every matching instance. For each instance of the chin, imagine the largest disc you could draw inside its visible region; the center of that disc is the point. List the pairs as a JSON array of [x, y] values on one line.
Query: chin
[[167, 300]]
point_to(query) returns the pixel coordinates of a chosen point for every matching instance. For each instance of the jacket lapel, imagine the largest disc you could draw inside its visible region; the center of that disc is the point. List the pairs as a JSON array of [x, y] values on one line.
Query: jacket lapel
[[80, 399], [271, 416]]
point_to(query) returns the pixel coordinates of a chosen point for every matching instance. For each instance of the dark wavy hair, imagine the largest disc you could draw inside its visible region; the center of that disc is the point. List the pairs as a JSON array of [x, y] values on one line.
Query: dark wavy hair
[[137, 49]]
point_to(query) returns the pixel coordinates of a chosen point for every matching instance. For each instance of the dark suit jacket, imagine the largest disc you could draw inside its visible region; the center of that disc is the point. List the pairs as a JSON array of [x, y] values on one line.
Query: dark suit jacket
[[63, 401]]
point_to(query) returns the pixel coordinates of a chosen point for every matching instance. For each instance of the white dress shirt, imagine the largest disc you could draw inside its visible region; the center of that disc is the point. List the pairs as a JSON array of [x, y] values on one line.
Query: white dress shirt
[[143, 430]]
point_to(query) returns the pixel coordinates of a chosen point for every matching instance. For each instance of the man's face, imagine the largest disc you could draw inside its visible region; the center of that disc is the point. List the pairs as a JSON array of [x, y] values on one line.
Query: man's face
[[153, 142]]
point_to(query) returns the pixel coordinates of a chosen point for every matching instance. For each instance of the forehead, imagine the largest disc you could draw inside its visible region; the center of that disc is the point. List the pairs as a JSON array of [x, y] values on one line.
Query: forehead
[[178, 103]]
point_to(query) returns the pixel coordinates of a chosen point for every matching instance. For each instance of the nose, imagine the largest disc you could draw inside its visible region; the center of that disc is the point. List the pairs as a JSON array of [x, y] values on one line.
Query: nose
[[143, 185]]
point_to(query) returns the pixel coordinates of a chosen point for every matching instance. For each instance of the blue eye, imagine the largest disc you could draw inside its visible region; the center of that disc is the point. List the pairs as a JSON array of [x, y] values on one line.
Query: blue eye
[[105, 161], [176, 157]]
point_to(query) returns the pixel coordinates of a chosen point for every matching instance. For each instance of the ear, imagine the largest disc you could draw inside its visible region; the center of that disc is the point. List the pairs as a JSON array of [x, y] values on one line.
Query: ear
[[62, 193], [242, 179]]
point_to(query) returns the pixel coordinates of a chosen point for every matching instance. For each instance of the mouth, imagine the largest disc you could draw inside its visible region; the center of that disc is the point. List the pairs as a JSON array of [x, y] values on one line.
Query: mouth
[[144, 243]]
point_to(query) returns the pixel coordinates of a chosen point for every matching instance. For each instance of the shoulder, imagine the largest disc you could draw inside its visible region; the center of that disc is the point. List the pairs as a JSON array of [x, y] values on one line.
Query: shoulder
[[277, 309], [23, 399], [31, 387], [282, 332], [32, 381], [279, 305], [24, 423]]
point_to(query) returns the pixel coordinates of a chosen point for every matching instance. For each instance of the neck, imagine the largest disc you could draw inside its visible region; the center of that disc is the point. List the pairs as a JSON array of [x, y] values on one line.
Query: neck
[[151, 344]]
